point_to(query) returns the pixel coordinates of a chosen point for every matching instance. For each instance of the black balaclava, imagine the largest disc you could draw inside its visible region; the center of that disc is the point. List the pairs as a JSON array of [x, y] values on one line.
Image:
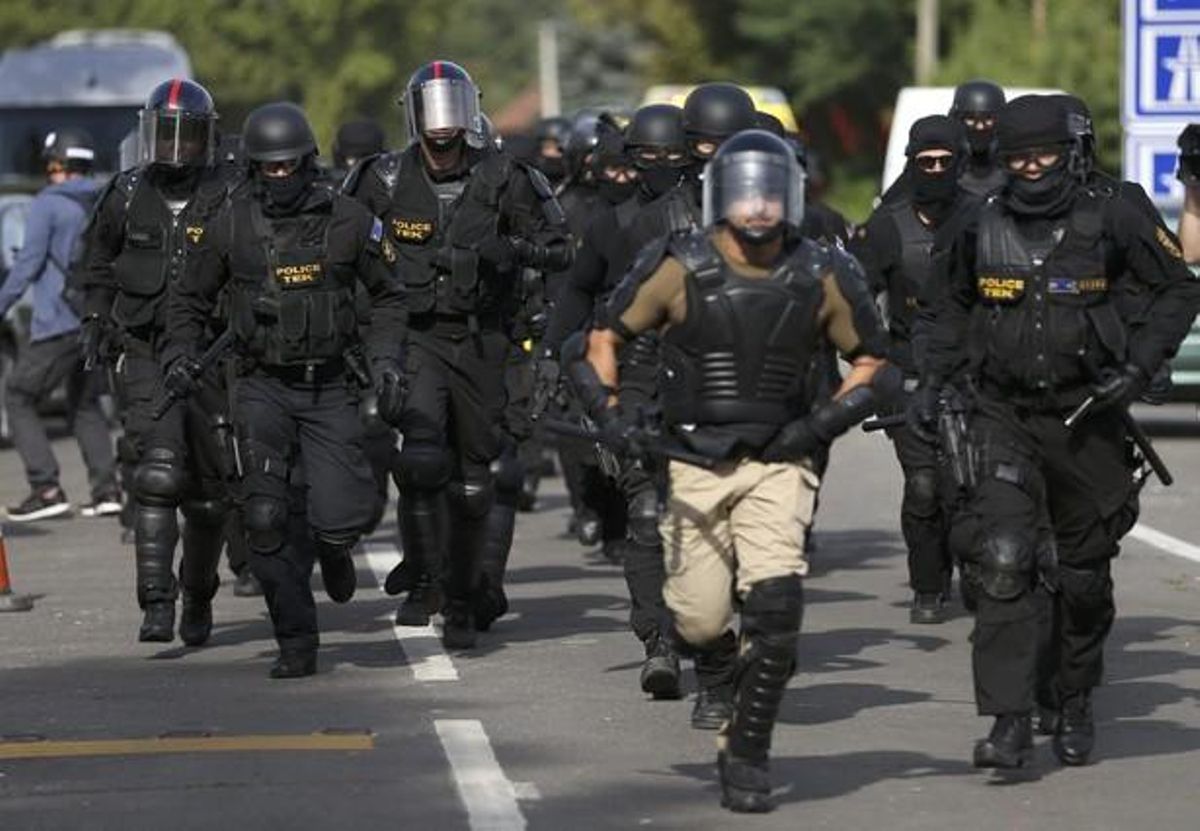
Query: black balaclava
[[610, 152], [934, 193], [1030, 122], [661, 178], [286, 195]]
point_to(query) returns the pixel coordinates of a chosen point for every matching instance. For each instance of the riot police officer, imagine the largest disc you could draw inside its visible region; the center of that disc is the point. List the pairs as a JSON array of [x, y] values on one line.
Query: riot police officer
[[464, 218], [356, 140], [143, 227], [895, 247], [552, 135], [735, 305], [977, 105], [290, 251], [1030, 317]]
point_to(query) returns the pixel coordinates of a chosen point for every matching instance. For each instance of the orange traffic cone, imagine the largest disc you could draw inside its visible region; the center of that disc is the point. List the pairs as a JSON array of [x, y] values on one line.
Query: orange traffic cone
[[10, 602]]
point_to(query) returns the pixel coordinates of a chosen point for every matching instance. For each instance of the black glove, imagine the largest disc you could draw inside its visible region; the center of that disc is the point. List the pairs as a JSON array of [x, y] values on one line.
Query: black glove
[[619, 432], [182, 377], [1119, 388], [391, 389], [794, 441], [91, 341], [921, 414], [1189, 155]]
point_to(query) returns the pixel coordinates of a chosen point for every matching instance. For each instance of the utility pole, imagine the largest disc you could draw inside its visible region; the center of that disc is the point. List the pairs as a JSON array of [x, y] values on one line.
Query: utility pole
[[927, 41], [1038, 19], [548, 69]]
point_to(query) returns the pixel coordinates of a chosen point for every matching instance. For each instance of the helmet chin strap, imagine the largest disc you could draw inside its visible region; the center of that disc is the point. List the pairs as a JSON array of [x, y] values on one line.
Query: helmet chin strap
[[755, 236]]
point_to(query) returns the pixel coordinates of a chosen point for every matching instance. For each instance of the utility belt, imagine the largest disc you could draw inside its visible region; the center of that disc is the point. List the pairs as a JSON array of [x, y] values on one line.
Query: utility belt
[[1051, 401], [456, 323], [314, 373]]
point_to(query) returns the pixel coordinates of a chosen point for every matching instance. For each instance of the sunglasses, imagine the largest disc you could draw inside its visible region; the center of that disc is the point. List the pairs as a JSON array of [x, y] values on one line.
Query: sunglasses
[[929, 164]]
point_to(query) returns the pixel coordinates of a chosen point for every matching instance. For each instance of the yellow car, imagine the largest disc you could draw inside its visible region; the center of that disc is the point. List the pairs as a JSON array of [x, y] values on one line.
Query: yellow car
[[767, 99]]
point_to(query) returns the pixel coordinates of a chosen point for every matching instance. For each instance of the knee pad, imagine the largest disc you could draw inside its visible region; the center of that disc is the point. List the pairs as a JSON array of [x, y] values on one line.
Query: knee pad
[[159, 479], [265, 522], [508, 474], [643, 518], [921, 493], [205, 511], [422, 467], [472, 497], [1006, 565], [1086, 589], [774, 608]]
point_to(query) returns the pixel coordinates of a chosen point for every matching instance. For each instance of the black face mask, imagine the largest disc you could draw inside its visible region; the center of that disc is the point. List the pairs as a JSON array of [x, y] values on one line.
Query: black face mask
[[934, 193], [554, 168], [286, 194], [1049, 195], [980, 142], [615, 193], [658, 180]]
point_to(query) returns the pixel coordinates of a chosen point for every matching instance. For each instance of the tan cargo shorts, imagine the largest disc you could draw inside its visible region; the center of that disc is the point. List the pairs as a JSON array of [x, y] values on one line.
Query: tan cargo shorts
[[730, 528]]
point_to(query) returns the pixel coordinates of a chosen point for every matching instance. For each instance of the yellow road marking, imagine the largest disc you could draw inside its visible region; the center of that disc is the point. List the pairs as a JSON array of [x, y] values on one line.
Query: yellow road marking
[[183, 744]]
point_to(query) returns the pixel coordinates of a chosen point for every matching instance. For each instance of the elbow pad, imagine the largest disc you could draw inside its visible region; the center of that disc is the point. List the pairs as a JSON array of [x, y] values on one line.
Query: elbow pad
[[835, 418]]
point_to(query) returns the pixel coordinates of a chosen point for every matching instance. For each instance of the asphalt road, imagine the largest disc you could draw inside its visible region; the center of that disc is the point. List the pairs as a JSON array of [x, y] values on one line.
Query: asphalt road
[[543, 726]]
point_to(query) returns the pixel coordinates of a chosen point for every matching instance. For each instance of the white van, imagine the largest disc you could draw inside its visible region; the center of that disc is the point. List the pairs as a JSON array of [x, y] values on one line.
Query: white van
[[914, 103]]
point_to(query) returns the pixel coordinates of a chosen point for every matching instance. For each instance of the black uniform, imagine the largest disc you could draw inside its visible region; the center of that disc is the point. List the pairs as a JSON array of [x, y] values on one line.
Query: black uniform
[[1030, 317], [145, 225], [455, 241], [291, 278]]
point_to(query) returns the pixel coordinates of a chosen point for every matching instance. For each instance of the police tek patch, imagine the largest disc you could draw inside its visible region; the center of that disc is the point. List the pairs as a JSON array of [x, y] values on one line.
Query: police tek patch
[[412, 230], [302, 274], [1000, 289]]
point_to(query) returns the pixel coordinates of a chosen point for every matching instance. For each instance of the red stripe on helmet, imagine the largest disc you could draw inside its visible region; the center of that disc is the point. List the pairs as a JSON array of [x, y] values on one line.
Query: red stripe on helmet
[[173, 95], [437, 69]]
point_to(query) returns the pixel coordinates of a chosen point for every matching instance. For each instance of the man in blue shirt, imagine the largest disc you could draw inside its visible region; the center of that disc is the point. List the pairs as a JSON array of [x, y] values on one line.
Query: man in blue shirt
[[55, 221]]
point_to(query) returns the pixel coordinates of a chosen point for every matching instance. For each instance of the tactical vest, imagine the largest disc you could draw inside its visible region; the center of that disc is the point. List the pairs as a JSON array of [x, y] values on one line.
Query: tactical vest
[[1046, 321], [291, 303], [982, 186], [435, 242], [743, 352], [155, 244], [916, 266]]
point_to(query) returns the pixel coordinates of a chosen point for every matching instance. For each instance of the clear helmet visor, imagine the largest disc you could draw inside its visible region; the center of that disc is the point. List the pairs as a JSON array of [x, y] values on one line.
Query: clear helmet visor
[[445, 104], [754, 191], [176, 138]]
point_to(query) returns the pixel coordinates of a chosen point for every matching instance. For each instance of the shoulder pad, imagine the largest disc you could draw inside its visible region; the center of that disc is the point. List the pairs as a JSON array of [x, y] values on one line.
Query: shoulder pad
[[648, 258], [694, 250], [124, 182], [350, 183]]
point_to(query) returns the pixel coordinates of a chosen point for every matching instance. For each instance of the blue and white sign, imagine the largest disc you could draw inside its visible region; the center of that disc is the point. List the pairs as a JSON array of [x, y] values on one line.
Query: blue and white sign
[[1150, 160], [1162, 61]]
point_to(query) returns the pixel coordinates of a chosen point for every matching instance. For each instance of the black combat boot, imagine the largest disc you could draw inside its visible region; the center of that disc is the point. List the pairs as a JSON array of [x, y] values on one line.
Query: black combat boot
[[158, 622], [1009, 745], [660, 670], [927, 608], [419, 605], [458, 625], [1076, 734], [195, 624], [295, 663], [337, 571], [491, 603], [715, 667]]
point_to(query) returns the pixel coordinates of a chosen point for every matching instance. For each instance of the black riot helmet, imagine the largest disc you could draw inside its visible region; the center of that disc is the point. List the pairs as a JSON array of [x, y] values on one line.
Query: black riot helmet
[[581, 142], [69, 149], [755, 186], [278, 132], [552, 135], [356, 140], [768, 122], [713, 113], [1083, 133], [977, 105], [440, 96], [178, 125], [657, 131]]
